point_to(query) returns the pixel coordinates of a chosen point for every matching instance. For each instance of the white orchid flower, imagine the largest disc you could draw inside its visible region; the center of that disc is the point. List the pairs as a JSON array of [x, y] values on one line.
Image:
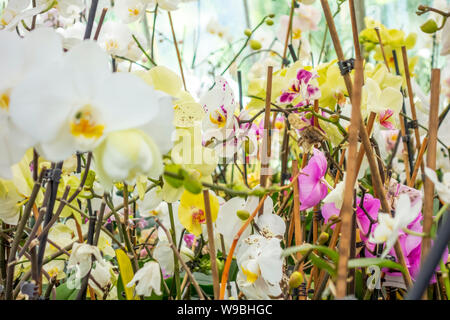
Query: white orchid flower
[[442, 188], [260, 267], [233, 214], [389, 227], [76, 105], [129, 11], [17, 11], [336, 195], [219, 104], [18, 58], [152, 204], [81, 258], [114, 38], [148, 279]]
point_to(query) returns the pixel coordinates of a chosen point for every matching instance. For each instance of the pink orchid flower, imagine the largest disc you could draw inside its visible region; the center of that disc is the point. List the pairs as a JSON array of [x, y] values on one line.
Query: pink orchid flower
[[386, 118], [371, 206], [312, 188]]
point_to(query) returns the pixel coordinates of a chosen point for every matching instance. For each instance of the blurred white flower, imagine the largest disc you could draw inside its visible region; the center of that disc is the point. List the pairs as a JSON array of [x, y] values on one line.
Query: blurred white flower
[[74, 105], [20, 57], [81, 259], [148, 279], [442, 188]]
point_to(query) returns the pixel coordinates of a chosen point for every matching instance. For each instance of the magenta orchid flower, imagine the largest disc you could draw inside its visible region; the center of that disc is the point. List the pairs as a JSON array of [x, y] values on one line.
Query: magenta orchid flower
[[370, 204], [386, 119], [312, 188]]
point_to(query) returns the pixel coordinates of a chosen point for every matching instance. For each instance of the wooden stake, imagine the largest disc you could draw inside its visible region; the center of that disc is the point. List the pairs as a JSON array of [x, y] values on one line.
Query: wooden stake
[[410, 95], [296, 211], [176, 48], [288, 33], [266, 144], [350, 179], [431, 161], [211, 246], [377, 30]]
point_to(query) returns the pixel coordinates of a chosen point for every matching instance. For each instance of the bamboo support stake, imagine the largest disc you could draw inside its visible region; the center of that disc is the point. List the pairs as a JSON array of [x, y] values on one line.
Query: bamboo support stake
[[177, 49], [411, 96], [377, 30], [419, 162], [266, 145], [296, 211], [405, 150], [291, 16], [361, 152], [211, 246], [350, 179], [431, 161]]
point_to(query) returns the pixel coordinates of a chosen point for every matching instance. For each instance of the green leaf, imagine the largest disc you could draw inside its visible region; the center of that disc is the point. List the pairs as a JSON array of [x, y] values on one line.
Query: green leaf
[[322, 264], [367, 262], [64, 293], [304, 248]]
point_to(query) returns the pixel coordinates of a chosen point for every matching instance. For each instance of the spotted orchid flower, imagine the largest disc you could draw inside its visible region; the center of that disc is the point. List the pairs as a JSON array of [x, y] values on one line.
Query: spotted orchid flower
[[260, 267], [219, 104], [303, 87]]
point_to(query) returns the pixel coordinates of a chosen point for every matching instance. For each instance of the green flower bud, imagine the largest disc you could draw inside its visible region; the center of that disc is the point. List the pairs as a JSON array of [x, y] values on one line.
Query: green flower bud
[[272, 15], [259, 192], [255, 44], [248, 32], [192, 184], [309, 115], [269, 22], [295, 280], [220, 265], [323, 238], [90, 179], [175, 169], [334, 118], [429, 27], [243, 214]]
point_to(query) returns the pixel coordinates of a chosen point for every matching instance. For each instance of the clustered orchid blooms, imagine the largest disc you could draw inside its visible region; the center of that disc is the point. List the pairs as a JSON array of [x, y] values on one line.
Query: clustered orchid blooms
[[148, 151]]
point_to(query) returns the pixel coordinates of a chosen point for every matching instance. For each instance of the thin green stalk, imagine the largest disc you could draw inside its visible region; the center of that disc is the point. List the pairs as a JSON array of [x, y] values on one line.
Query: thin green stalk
[[244, 46], [143, 50], [175, 258]]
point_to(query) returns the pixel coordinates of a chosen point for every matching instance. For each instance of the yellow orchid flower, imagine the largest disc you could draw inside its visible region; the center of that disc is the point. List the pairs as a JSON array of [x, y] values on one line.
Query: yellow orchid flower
[[191, 211], [332, 86]]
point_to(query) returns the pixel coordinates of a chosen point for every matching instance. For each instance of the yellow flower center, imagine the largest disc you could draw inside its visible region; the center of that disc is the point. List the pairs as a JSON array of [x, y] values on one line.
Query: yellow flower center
[[251, 277], [340, 98], [218, 118], [4, 101], [296, 34], [53, 272], [84, 124], [112, 44], [133, 12]]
